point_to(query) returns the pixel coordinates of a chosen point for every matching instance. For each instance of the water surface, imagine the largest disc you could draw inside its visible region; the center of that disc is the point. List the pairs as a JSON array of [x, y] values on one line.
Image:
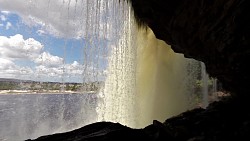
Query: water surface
[[32, 115]]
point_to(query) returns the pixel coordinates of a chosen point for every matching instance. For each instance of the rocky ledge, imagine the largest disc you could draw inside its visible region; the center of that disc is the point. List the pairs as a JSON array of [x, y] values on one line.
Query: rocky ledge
[[224, 120]]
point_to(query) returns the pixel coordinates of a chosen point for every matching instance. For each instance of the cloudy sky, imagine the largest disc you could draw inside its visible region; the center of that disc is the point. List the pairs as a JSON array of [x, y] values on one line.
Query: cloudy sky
[[54, 40]]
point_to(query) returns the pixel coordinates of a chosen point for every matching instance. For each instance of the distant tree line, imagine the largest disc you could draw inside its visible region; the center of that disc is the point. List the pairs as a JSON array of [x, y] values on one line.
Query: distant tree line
[[46, 86], [8, 85]]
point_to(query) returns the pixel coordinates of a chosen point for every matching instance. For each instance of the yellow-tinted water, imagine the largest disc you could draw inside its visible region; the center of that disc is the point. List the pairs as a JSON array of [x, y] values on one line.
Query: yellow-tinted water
[[161, 79]]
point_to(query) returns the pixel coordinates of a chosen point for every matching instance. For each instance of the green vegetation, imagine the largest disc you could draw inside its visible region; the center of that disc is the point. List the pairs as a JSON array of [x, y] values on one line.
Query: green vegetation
[[48, 86], [8, 85]]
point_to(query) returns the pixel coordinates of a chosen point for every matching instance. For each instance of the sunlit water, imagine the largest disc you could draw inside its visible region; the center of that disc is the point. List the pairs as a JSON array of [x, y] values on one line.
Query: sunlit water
[[34, 115]]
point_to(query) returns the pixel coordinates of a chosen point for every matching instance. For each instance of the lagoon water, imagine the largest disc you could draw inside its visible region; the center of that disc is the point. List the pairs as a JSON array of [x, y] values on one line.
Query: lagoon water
[[33, 115]]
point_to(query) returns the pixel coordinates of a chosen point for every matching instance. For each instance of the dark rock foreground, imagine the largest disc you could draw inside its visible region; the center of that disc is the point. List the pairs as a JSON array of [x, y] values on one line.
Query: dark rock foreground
[[224, 120]]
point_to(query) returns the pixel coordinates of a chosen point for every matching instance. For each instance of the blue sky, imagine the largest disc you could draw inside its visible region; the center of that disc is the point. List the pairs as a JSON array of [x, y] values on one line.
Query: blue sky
[[46, 40]]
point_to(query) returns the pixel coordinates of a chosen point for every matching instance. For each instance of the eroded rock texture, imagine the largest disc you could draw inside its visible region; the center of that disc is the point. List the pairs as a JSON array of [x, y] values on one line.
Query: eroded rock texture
[[216, 32]]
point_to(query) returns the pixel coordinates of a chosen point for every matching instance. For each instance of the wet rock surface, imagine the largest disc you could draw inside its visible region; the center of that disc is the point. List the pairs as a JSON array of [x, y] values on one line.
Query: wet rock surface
[[100, 131], [224, 120]]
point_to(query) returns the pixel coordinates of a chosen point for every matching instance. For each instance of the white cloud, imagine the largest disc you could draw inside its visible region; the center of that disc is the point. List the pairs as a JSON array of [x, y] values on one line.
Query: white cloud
[[73, 69], [6, 64], [40, 32], [5, 12], [3, 18], [57, 17], [8, 25], [45, 66], [25, 71], [16, 47], [49, 60], [8, 69], [64, 18], [60, 18], [13, 49], [67, 72], [73, 72], [1, 25], [52, 72]]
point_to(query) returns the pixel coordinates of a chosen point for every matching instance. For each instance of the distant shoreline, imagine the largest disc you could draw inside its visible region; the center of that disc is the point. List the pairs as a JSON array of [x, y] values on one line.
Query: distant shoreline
[[17, 92]]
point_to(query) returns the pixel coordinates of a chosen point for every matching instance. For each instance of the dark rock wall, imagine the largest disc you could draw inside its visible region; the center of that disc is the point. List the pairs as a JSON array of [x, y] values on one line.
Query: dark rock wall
[[216, 32]]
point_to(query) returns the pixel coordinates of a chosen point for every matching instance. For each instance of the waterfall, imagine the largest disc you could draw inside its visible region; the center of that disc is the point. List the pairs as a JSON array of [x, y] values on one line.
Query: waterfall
[[205, 78], [215, 89], [145, 80], [165, 80], [118, 95], [141, 78], [215, 85], [209, 87]]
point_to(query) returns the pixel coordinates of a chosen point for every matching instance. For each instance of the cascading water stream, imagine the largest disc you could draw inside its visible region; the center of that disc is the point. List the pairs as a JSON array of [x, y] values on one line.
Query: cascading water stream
[[209, 87], [145, 80], [205, 78], [118, 95], [166, 81]]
